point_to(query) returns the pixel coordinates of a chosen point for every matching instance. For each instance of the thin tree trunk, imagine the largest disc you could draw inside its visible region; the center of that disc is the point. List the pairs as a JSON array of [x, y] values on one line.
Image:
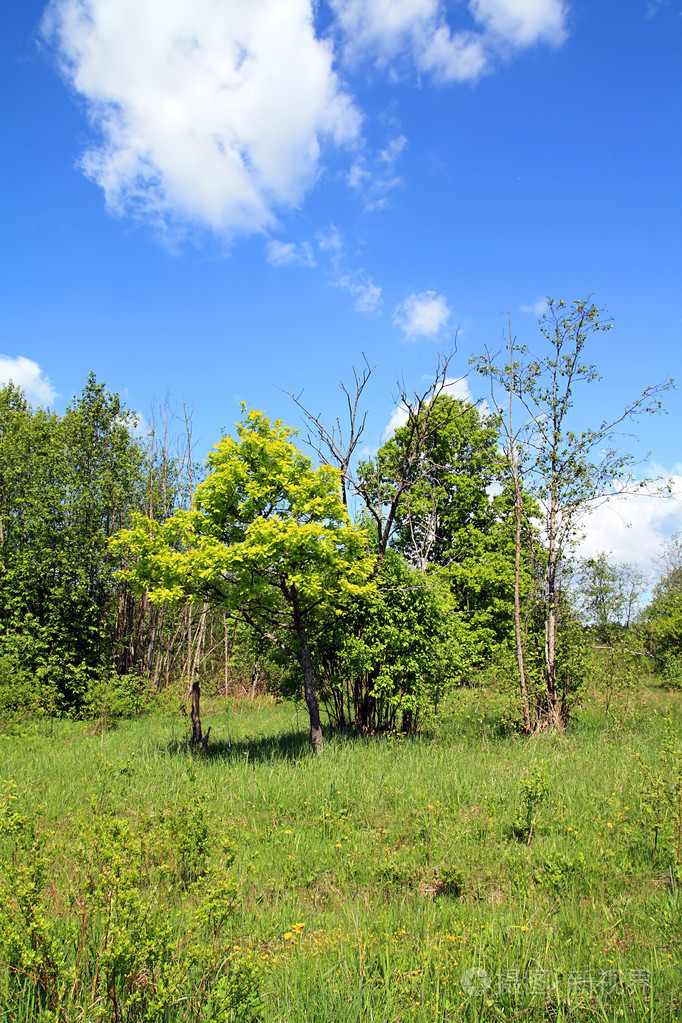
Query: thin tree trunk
[[518, 511], [195, 714], [308, 678], [550, 646], [517, 614], [226, 657]]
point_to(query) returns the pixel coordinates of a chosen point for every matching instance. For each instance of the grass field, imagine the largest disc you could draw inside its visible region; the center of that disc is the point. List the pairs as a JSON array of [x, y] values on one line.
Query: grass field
[[467, 873]]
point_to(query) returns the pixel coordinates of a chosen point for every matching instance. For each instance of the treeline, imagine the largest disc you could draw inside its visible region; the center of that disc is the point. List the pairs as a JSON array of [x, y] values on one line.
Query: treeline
[[75, 636], [370, 586]]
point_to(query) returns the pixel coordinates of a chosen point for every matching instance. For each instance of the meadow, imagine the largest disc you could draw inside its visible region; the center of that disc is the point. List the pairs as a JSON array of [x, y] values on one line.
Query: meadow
[[464, 873]]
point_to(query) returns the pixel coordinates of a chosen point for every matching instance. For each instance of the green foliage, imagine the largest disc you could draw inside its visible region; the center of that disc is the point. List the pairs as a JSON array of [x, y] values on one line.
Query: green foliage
[[446, 506], [66, 484], [117, 948], [110, 696], [450, 880], [661, 621], [264, 524], [606, 594], [560, 872], [564, 468], [672, 672], [661, 796], [532, 792], [448, 519], [395, 648]]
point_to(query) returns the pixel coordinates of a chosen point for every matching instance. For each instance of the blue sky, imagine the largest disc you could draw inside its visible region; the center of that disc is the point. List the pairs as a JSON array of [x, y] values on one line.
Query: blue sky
[[229, 199]]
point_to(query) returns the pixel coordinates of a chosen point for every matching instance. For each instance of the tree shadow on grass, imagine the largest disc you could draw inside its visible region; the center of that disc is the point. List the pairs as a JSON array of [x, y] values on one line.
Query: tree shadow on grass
[[292, 745], [258, 749]]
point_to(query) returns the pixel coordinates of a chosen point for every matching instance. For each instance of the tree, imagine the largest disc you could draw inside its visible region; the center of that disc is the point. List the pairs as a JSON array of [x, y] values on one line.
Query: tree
[[662, 619], [396, 645], [446, 497], [381, 492], [66, 484], [607, 593], [565, 471], [268, 538], [454, 518], [426, 497]]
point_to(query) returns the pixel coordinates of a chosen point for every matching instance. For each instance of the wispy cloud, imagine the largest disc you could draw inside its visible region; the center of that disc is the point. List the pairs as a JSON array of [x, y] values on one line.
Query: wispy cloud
[[522, 22], [423, 315], [280, 253], [365, 292], [330, 240], [374, 175], [28, 375], [537, 307], [654, 6]]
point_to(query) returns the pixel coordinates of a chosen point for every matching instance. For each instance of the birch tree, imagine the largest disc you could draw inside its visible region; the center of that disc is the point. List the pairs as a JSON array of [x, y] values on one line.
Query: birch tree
[[566, 470]]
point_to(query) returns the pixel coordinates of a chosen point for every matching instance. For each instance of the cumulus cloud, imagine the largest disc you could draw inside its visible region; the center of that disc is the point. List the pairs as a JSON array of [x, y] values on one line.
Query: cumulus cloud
[[414, 29], [221, 114], [207, 112], [522, 22], [456, 387], [633, 528], [289, 253], [28, 375], [418, 31], [422, 315]]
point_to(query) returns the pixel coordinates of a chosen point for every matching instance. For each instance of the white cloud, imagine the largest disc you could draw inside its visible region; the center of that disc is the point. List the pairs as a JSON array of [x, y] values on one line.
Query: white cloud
[[455, 387], [422, 315], [210, 113], [366, 293], [358, 175], [330, 240], [391, 31], [632, 529], [460, 57], [217, 114], [387, 30], [537, 307], [393, 150], [458, 387], [28, 375], [398, 419], [373, 175], [522, 22], [289, 253]]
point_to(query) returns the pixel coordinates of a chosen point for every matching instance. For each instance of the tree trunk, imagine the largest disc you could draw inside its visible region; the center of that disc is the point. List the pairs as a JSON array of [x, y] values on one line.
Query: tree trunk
[[196, 714], [554, 711], [517, 621], [518, 514], [308, 679]]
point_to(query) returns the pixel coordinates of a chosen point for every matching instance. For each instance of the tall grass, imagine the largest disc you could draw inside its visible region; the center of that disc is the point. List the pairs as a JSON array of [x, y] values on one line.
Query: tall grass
[[372, 880]]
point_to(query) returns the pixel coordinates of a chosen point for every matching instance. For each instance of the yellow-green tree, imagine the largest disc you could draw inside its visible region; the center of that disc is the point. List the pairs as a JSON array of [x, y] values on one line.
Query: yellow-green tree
[[268, 538]]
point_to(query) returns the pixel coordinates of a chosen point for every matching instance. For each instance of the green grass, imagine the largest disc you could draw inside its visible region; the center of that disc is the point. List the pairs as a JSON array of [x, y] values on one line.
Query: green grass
[[370, 879]]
